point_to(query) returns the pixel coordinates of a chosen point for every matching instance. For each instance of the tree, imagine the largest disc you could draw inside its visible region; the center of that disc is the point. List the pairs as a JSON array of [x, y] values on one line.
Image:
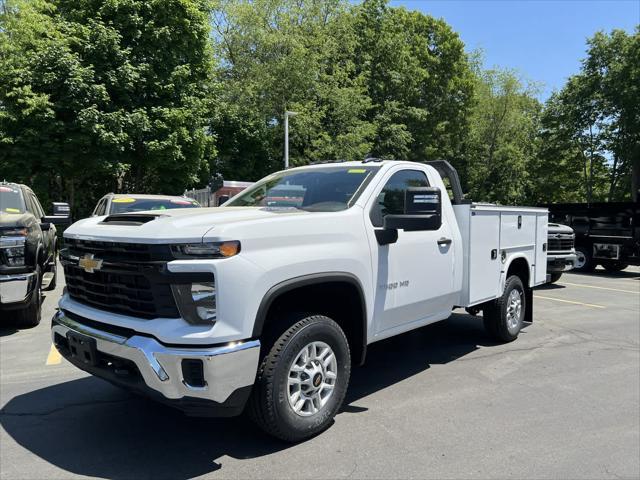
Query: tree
[[287, 55], [419, 80], [592, 126], [502, 134], [105, 95]]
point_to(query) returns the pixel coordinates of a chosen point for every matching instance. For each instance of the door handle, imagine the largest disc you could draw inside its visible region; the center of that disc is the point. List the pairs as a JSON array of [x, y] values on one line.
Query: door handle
[[444, 241]]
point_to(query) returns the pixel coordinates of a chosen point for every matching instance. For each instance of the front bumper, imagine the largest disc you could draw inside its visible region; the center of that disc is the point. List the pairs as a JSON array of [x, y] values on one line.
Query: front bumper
[[224, 374], [561, 262], [17, 287]]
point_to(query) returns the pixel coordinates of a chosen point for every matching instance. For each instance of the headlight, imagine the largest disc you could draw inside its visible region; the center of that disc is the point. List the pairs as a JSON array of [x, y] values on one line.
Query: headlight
[[206, 249], [12, 248], [196, 302]]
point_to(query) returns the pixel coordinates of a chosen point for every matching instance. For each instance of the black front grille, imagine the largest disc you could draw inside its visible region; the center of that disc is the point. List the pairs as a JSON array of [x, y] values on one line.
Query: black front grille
[[120, 252], [560, 244], [132, 279]]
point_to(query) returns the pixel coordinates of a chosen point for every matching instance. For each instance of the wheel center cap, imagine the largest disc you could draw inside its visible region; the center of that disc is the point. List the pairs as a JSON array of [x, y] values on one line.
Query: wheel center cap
[[317, 380]]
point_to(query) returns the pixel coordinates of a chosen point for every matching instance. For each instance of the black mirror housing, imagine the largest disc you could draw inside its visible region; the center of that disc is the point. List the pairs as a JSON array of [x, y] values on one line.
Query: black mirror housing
[[61, 214], [422, 211], [60, 209]]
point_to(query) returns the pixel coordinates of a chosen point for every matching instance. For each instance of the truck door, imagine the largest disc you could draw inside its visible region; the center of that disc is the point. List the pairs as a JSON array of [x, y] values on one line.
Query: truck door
[[413, 276]]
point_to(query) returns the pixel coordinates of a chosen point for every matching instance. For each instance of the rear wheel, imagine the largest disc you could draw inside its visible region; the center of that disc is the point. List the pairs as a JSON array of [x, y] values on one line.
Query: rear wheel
[[30, 315], [504, 316], [584, 261], [614, 266], [302, 380]]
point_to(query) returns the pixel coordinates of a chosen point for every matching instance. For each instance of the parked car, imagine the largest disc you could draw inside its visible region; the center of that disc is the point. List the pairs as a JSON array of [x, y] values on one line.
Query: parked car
[[606, 234], [127, 203], [561, 254], [266, 304], [28, 252]]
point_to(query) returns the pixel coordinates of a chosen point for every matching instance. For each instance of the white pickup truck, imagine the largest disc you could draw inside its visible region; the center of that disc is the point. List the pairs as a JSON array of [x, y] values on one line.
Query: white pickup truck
[[265, 303]]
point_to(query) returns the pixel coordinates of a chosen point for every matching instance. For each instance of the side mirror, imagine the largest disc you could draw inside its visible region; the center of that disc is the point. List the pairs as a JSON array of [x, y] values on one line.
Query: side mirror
[[61, 214], [422, 211]]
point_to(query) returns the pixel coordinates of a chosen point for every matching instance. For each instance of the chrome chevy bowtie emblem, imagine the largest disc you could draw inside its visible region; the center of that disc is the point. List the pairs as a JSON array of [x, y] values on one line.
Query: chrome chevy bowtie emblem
[[89, 264]]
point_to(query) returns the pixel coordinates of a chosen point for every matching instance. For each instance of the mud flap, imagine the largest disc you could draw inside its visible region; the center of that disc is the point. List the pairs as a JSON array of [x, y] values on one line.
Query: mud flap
[[528, 310]]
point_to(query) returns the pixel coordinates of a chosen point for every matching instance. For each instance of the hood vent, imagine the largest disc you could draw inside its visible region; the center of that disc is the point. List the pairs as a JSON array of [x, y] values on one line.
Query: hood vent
[[128, 219]]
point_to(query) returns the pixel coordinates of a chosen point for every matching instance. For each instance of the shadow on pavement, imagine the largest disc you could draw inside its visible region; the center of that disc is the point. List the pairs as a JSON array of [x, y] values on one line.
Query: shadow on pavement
[[88, 427], [603, 273], [550, 286]]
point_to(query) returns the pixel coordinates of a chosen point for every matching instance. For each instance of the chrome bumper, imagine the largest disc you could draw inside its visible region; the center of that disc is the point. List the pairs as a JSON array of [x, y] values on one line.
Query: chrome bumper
[[16, 288], [226, 368], [561, 262]]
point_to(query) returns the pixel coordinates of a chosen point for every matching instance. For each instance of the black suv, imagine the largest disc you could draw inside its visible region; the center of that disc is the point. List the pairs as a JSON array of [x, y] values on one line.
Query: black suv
[[28, 252]]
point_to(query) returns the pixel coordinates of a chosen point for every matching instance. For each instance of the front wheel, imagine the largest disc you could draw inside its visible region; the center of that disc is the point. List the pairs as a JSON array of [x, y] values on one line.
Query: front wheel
[[504, 316], [584, 260], [555, 276], [30, 315], [302, 380]]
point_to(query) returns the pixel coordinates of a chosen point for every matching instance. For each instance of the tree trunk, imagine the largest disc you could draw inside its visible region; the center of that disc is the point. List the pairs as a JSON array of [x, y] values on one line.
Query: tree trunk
[[635, 178]]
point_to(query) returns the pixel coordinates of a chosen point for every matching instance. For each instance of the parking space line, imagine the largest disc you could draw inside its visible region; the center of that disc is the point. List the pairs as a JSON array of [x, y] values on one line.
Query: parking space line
[[599, 288], [570, 301], [54, 357]]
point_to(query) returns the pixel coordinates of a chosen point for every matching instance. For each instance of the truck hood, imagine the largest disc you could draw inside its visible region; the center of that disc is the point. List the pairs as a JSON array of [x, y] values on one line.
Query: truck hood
[[558, 228], [18, 220], [172, 226]]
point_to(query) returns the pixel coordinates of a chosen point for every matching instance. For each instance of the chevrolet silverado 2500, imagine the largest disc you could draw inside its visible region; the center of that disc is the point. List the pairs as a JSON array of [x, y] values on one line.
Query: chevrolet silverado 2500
[[267, 301]]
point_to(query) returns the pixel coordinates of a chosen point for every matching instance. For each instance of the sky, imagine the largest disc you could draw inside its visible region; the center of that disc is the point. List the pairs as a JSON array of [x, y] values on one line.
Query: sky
[[543, 39]]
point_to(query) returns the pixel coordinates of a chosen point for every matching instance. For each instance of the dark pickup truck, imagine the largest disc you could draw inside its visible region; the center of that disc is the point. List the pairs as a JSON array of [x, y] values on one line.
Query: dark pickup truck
[[606, 234], [28, 253]]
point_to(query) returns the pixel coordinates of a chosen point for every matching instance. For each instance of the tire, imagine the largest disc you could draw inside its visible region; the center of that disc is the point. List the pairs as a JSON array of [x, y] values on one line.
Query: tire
[[584, 262], [273, 402], [614, 266], [504, 316], [555, 276], [30, 315]]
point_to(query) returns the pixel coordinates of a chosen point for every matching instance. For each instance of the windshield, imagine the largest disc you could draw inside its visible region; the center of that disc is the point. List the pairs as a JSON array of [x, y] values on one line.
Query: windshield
[[314, 189], [11, 200], [131, 204]]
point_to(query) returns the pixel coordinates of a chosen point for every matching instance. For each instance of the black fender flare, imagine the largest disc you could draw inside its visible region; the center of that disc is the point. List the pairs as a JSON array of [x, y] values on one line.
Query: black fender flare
[[305, 280]]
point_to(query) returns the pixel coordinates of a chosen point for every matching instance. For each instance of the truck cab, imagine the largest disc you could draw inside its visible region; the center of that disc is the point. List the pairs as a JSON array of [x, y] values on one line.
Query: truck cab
[[265, 303]]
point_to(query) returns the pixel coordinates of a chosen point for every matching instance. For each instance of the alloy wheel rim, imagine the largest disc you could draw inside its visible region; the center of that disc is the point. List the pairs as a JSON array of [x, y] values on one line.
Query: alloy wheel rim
[[580, 259], [514, 310], [312, 379]]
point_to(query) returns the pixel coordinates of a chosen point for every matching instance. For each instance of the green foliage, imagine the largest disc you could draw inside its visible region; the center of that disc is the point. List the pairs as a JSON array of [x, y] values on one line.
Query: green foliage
[[591, 128], [287, 55], [154, 96], [366, 80], [100, 96], [501, 138], [419, 80]]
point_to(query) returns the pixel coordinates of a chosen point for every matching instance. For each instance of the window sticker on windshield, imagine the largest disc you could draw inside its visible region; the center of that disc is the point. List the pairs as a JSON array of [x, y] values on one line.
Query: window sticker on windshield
[[123, 200], [11, 210], [181, 202], [8, 189], [357, 170]]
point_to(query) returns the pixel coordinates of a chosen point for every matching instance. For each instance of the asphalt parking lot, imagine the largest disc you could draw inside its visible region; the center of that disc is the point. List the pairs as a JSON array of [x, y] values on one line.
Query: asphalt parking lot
[[563, 401]]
